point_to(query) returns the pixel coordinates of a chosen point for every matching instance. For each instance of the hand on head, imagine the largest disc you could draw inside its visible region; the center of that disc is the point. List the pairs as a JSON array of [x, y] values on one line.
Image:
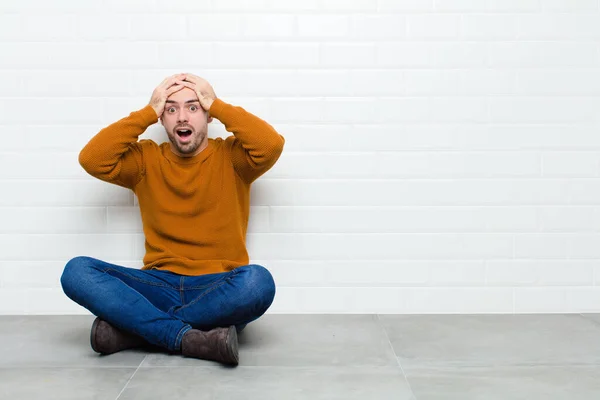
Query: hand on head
[[162, 92], [204, 91]]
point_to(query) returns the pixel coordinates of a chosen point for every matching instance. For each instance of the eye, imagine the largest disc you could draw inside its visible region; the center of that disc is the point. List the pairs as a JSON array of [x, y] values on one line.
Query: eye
[[193, 108], [171, 109]]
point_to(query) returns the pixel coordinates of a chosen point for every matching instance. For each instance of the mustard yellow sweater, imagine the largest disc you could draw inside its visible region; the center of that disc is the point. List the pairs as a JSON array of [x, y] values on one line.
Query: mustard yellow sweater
[[194, 210]]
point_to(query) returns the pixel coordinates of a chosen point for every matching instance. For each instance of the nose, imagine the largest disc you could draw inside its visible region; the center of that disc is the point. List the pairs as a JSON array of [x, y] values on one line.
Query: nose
[[182, 116]]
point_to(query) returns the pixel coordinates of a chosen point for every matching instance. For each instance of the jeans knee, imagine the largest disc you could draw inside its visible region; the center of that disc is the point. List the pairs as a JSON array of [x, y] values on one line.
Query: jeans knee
[[72, 274], [261, 286]]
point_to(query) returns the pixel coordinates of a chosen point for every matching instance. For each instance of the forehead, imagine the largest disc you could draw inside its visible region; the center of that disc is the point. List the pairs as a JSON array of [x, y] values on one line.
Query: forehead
[[183, 95]]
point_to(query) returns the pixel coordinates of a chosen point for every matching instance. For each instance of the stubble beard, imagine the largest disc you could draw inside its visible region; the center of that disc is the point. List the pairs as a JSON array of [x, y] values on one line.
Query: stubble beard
[[188, 148]]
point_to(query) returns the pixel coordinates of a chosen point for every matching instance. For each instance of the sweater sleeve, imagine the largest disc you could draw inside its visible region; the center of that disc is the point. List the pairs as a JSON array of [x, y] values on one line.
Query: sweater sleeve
[[256, 145], [114, 155]]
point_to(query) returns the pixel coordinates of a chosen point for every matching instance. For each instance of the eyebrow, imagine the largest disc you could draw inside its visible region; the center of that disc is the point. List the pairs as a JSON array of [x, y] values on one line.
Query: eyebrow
[[187, 102]]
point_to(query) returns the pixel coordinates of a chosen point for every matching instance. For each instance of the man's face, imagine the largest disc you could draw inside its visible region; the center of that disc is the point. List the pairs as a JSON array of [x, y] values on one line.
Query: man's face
[[186, 123]]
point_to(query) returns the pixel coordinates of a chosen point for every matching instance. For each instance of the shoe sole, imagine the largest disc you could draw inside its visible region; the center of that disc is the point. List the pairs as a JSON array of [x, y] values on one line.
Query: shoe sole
[[232, 345], [93, 335]]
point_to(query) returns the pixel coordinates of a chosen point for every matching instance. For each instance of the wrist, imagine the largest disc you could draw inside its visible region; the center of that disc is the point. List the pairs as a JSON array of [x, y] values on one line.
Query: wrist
[[208, 103], [216, 108], [149, 115], [155, 110]]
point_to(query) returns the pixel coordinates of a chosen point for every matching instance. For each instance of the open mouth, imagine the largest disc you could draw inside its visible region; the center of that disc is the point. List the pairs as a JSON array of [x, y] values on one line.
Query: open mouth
[[184, 134]]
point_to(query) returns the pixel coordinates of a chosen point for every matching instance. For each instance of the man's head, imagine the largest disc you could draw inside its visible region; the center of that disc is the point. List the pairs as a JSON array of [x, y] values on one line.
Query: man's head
[[186, 123]]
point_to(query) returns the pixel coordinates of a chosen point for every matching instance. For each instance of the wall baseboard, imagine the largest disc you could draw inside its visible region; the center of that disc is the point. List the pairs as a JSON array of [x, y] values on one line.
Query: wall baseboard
[[363, 300]]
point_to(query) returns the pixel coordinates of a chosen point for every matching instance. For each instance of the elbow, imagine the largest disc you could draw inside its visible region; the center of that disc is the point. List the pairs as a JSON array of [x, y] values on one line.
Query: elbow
[[269, 155], [274, 151], [84, 160], [278, 144]]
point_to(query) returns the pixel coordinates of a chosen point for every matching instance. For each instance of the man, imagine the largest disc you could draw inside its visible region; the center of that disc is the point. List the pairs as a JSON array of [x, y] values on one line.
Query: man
[[196, 290]]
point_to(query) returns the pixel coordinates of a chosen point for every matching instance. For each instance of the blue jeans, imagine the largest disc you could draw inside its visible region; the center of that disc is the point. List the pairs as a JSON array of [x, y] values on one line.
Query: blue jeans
[[161, 306]]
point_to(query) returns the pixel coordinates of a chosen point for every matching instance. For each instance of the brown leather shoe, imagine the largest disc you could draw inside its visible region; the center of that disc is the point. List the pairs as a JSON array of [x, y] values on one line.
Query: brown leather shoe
[[219, 344], [106, 339]]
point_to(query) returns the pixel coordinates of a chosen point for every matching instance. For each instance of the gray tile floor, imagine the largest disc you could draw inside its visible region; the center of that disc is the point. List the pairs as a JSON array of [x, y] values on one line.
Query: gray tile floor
[[316, 357]]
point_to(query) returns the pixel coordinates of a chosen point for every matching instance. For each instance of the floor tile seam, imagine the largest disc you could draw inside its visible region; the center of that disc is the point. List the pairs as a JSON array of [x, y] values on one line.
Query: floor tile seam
[[349, 368], [425, 366], [383, 368], [380, 323], [44, 366], [130, 378], [291, 367]]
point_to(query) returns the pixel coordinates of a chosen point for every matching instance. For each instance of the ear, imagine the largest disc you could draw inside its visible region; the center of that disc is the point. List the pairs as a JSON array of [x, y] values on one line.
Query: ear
[[161, 121], [209, 119]]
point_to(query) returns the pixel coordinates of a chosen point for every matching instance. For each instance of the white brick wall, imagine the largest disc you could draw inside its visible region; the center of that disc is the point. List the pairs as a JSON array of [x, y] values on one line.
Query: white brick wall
[[442, 156]]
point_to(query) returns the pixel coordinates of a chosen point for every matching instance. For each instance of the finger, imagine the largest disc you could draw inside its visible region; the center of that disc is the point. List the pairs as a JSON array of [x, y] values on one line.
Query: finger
[[193, 87], [191, 78], [170, 81], [167, 84], [185, 83], [172, 77], [174, 82], [190, 85], [173, 89]]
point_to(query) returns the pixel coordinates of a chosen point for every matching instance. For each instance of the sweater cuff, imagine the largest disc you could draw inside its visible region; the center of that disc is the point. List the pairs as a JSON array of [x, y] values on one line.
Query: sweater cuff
[[216, 108], [148, 115]]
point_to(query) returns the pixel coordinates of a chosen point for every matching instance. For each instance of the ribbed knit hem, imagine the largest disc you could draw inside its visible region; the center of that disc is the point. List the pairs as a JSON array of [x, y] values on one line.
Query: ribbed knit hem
[[149, 115], [216, 108]]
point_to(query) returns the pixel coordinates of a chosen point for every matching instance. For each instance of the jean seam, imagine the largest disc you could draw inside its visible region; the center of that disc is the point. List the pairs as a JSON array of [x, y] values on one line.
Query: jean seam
[[179, 337], [208, 285], [221, 283], [181, 290], [137, 279]]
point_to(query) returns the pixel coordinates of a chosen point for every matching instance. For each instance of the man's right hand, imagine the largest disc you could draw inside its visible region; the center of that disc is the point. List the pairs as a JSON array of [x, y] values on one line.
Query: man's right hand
[[162, 92]]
